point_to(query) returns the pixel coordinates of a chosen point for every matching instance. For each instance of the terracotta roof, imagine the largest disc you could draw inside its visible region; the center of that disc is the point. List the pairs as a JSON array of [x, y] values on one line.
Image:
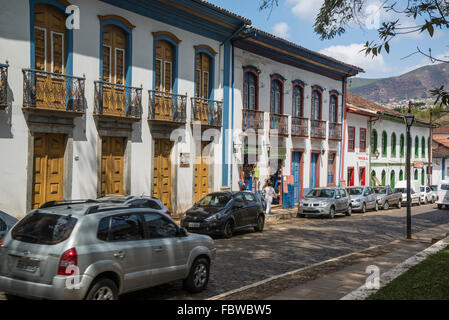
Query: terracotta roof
[[370, 105], [305, 49], [441, 140], [444, 129]]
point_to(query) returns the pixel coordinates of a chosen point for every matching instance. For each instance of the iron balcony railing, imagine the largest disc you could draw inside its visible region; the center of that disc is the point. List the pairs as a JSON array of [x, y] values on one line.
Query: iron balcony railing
[[54, 91], [335, 131], [208, 112], [253, 120], [117, 100], [168, 107], [318, 129], [3, 85], [279, 123], [300, 127]]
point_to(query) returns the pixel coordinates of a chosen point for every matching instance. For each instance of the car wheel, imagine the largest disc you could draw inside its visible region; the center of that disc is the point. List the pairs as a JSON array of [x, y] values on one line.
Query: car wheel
[[349, 212], [260, 224], [419, 201], [426, 201], [228, 229], [376, 207], [198, 276], [332, 213], [440, 206], [363, 208], [103, 289], [399, 204], [386, 205]]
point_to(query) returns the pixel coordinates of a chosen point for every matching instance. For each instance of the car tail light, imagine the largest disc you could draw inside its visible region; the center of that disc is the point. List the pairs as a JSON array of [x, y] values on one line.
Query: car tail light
[[68, 259], [438, 198], [168, 212], [1, 243]]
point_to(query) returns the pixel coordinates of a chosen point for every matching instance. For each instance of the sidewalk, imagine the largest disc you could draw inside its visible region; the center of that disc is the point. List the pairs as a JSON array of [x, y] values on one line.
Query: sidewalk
[[338, 284]]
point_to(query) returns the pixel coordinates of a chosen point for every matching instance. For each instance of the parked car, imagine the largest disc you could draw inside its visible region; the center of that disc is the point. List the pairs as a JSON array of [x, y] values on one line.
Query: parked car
[[415, 196], [363, 198], [142, 201], [6, 223], [325, 202], [222, 213], [434, 191], [115, 249], [386, 197], [443, 194], [427, 195]]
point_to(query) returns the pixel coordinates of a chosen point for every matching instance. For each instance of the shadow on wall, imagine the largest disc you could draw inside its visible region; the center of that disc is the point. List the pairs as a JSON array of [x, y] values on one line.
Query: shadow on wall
[[6, 118]]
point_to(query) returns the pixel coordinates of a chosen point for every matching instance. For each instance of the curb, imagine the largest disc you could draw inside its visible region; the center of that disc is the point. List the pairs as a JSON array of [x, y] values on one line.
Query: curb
[[363, 292], [259, 283]]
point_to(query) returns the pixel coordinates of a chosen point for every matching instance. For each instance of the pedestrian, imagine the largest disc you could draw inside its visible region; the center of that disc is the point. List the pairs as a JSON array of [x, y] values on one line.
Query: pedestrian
[[269, 194], [242, 185]]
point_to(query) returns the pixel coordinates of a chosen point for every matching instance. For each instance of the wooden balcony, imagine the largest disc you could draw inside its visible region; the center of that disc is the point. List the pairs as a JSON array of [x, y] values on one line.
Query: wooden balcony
[[252, 120], [335, 131], [300, 127], [318, 129], [278, 124], [58, 93], [165, 107], [117, 102], [3, 86], [207, 112]]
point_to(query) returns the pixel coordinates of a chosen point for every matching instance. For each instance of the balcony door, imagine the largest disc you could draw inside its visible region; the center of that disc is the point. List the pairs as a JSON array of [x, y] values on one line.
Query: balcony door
[[162, 171], [114, 70], [49, 56], [112, 165], [202, 82], [164, 80], [202, 174]]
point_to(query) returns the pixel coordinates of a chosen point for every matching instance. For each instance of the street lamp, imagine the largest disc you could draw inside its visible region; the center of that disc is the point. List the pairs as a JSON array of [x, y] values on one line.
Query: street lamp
[[409, 119]]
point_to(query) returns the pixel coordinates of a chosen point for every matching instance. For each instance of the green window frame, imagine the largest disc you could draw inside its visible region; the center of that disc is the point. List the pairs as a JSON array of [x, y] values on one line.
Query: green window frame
[[384, 178], [401, 175], [402, 145], [393, 145], [423, 147], [416, 147], [423, 176], [373, 174], [384, 143], [392, 179], [416, 174], [374, 141]]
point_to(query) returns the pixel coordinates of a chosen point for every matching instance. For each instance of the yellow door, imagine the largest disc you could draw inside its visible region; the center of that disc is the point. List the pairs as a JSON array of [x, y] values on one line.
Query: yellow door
[[49, 54], [48, 168], [202, 174], [114, 62], [162, 171], [164, 81], [202, 87], [112, 163]]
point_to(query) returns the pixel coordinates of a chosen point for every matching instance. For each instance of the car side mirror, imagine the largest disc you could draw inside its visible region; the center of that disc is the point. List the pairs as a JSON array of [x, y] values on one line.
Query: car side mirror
[[182, 232]]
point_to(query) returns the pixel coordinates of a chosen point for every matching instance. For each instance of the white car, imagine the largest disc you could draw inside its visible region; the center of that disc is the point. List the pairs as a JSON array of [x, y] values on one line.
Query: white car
[[443, 194], [427, 195], [415, 196]]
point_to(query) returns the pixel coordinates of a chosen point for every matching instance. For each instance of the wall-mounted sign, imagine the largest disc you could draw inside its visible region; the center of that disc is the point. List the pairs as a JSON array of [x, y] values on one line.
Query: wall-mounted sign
[[418, 165], [184, 160], [362, 158]]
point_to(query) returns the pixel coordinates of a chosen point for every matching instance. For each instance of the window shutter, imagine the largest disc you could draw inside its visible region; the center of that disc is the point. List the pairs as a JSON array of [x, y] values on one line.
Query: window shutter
[[106, 63], [58, 52], [40, 48], [167, 77], [158, 80], [119, 66]]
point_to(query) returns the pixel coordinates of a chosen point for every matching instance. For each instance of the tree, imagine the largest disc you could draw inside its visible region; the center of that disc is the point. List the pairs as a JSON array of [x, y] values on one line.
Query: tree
[[335, 16]]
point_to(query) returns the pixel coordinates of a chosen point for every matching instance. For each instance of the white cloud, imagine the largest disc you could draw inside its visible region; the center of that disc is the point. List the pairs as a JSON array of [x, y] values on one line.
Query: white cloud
[[282, 30], [306, 9], [352, 54]]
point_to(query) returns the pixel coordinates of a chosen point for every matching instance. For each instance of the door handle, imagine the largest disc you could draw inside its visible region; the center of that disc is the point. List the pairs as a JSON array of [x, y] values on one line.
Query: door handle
[[119, 255], [158, 249]]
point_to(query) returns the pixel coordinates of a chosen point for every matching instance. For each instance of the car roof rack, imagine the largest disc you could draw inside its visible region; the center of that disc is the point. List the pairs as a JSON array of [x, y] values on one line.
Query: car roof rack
[[57, 203], [99, 209]]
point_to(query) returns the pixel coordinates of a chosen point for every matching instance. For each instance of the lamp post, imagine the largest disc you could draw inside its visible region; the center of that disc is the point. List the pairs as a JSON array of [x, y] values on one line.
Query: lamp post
[[409, 119]]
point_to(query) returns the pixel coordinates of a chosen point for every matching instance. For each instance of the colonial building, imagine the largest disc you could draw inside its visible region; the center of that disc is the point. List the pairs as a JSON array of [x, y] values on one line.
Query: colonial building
[[440, 159], [387, 150]]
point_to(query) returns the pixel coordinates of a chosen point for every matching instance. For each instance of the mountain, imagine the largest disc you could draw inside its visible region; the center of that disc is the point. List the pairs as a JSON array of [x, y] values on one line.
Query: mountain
[[411, 85]]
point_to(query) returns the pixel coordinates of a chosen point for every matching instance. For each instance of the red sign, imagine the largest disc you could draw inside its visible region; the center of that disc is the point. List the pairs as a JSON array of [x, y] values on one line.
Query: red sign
[[418, 165]]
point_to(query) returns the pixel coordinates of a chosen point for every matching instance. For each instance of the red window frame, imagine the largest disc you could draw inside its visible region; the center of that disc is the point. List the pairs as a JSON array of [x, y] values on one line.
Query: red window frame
[[351, 143], [362, 142]]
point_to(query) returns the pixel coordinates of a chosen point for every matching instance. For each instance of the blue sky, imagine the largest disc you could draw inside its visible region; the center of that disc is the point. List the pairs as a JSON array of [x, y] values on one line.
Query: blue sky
[[294, 19]]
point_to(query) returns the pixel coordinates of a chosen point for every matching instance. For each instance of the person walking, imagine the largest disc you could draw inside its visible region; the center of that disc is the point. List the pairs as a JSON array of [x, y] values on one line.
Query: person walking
[[269, 194]]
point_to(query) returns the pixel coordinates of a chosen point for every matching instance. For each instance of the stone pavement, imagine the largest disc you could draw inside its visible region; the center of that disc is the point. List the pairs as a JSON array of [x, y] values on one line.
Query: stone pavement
[[336, 285]]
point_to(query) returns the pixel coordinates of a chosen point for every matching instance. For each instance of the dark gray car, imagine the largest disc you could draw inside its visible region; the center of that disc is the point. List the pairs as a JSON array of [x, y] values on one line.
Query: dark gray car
[[6, 223], [325, 202], [363, 198], [386, 197]]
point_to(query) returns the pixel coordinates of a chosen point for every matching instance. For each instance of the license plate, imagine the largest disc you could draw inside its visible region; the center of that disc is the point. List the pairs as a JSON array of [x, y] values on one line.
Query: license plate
[[28, 265], [194, 225]]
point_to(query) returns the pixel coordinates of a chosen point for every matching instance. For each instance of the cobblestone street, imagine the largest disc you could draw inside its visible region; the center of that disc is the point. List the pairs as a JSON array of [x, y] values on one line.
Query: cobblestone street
[[250, 257]]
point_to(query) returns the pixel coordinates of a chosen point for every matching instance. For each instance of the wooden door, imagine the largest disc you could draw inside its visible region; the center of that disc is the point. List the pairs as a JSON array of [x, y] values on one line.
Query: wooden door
[[162, 171], [114, 65], [164, 80], [49, 55], [112, 164], [202, 174], [203, 64], [48, 167]]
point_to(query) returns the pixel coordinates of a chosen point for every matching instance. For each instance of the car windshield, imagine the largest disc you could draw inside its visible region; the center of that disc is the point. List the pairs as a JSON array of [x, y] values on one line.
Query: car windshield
[[434, 188], [445, 187], [422, 189], [380, 190], [214, 200], [321, 193], [355, 191], [43, 228]]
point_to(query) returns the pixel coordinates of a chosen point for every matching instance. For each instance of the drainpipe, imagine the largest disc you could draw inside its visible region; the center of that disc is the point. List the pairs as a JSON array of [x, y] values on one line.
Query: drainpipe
[[371, 152], [343, 121]]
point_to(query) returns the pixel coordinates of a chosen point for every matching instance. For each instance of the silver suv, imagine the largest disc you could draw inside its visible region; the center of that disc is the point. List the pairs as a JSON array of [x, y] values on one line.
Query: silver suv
[[97, 251]]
